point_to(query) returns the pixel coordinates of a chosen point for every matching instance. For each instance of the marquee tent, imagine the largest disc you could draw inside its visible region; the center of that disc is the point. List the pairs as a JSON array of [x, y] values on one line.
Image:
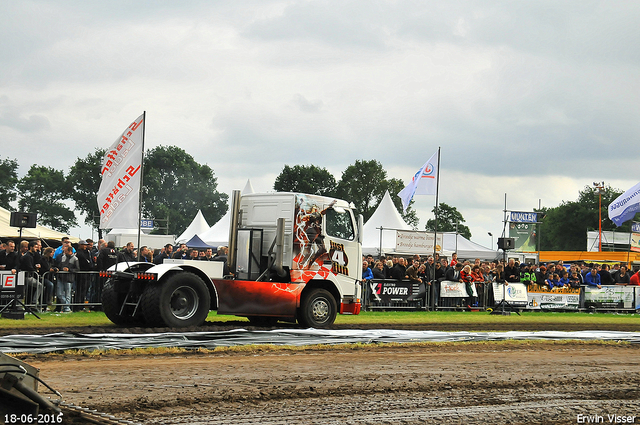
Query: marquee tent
[[218, 234], [388, 218], [196, 243], [197, 226], [40, 232]]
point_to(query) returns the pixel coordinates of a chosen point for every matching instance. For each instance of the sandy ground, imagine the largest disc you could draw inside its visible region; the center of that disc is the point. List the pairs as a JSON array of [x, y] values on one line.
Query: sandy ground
[[513, 382]]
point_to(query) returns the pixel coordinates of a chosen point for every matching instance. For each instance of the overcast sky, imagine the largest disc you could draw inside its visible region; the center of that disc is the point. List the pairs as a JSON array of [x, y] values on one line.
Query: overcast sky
[[532, 99]]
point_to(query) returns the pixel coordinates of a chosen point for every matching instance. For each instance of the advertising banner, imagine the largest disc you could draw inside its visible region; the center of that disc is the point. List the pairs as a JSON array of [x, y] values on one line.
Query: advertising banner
[[415, 242], [523, 217], [514, 293], [524, 235], [610, 297], [119, 193], [11, 284], [390, 291], [635, 242], [449, 289], [542, 298]]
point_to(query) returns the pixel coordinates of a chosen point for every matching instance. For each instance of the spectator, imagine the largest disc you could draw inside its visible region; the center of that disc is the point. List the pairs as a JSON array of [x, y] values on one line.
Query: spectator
[[499, 274], [69, 265], [512, 272], [621, 277], [412, 272], [564, 279], [9, 259], [635, 279], [145, 254], [107, 256], [399, 271], [593, 278], [127, 254], [454, 259], [193, 254], [526, 276], [367, 274], [58, 252], [478, 279], [453, 273], [166, 253], [28, 264], [83, 280], [48, 270], [605, 276], [575, 280], [553, 280], [378, 271], [388, 269], [181, 253], [222, 256]]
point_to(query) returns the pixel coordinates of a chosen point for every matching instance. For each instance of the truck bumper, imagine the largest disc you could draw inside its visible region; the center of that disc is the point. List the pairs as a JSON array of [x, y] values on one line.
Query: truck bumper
[[350, 308]]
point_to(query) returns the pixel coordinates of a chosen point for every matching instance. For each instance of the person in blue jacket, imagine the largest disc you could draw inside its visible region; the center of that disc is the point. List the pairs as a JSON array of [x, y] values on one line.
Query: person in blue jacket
[[592, 278], [367, 274]]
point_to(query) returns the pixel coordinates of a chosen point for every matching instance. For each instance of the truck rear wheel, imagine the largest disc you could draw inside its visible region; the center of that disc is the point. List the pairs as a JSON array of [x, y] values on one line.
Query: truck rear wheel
[[318, 309], [181, 300], [112, 305]]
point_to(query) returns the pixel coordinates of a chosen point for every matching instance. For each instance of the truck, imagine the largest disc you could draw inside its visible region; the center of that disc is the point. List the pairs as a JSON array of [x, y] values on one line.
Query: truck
[[292, 257]]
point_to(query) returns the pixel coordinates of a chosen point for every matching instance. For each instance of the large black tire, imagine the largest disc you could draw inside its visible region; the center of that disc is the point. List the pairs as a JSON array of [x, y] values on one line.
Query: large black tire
[[318, 309], [112, 304], [181, 300]]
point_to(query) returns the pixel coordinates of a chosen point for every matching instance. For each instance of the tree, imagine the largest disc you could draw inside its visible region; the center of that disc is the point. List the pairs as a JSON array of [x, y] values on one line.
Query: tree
[[306, 179], [176, 187], [85, 178], [564, 228], [364, 183], [448, 217], [8, 181], [44, 190]]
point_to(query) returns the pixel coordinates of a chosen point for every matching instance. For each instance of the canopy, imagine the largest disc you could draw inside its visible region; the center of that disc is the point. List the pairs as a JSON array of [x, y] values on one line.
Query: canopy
[[197, 243], [40, 232], [197, 226]]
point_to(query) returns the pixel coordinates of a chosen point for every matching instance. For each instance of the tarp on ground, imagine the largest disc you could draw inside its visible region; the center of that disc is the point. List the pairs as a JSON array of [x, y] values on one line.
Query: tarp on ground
[[196, 243], [198, 225], [41, 232]]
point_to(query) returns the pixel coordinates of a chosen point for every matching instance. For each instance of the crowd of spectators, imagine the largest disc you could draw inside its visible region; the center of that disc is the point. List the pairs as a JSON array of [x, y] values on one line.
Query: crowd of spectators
[[430, 271], [64, 274]]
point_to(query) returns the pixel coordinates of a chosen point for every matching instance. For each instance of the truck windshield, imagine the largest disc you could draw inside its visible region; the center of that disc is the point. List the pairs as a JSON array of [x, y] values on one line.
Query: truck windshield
[[339, 224]]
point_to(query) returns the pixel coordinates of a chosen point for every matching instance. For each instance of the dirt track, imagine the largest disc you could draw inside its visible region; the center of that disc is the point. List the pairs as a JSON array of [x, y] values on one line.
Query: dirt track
[[445, 383]]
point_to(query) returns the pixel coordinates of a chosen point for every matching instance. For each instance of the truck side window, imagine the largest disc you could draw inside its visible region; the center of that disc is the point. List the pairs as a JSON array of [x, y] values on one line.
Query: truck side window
[[339, 224]]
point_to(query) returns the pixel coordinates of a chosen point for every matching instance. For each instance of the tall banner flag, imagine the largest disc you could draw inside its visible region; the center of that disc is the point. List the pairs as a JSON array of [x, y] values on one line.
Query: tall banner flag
[[625, 207], [119, 193], [424, 182]]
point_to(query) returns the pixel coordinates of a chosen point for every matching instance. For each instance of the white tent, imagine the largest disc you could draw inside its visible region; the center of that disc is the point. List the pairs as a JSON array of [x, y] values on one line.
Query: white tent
[[197, 226], [388, 218], [41, 232], [218, 234]]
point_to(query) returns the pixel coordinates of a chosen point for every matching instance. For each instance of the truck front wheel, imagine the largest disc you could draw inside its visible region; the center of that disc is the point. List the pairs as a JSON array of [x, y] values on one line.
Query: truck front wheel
[[318, 309], [112, 306], [181, 300]]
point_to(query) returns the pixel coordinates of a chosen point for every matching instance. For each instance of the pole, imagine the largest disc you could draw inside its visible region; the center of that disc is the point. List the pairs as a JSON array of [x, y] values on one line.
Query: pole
[[144, 126], [435, 230]]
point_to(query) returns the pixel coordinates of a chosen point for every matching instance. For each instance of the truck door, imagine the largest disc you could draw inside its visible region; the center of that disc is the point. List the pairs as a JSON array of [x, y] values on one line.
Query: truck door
[[344, 249]]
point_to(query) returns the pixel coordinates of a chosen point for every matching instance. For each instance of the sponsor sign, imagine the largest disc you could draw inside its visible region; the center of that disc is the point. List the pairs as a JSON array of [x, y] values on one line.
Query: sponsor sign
[[524, 235], [610, 297], [542, 298], [449, 289], [515, 293], [635, 227], [11, 284], [392, 291], [417, 242], [523, 217], [146, 224], [635, 242]]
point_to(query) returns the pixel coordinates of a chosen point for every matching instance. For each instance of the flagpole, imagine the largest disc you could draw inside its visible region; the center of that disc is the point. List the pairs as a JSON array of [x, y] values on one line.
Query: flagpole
[[435, 234], [144, 126]]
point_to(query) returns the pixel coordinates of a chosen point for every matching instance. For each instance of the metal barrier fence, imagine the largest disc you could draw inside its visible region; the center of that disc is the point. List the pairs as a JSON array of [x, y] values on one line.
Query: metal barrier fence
[[390, 294], [58, 291]]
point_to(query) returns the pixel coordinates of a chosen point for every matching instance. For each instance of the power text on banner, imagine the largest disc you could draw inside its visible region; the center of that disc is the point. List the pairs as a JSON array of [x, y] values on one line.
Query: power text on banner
[[119, 193]]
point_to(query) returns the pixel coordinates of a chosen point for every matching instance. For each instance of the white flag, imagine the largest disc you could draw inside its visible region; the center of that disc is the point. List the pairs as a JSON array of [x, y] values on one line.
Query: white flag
[[119, 193], [424, 182], [625, 207]]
